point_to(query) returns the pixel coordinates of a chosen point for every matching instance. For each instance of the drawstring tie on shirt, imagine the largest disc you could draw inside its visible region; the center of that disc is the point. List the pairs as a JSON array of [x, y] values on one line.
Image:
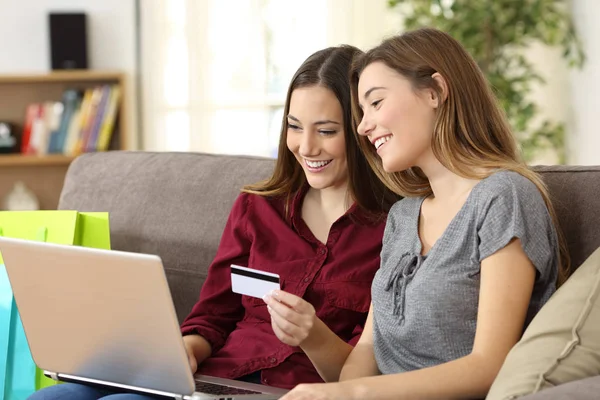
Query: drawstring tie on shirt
[[399, 279]]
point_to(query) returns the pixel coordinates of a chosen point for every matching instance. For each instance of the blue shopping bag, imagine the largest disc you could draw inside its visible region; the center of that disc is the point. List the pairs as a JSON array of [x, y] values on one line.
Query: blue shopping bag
[[19, 376], [17, 383]]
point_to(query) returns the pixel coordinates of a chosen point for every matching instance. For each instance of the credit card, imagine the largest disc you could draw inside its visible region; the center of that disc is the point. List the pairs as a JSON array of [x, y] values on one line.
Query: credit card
[[253, 282]]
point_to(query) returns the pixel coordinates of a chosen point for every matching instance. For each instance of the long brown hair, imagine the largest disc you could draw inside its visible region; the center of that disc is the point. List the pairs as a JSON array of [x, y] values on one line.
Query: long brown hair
[[328, 68], [471, 138]]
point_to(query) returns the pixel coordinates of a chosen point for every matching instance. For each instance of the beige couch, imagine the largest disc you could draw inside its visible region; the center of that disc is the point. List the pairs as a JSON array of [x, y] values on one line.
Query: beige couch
[[176, 204]]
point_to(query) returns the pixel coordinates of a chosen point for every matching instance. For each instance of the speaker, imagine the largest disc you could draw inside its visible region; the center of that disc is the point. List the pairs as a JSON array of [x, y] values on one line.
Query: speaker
[[68, 40]]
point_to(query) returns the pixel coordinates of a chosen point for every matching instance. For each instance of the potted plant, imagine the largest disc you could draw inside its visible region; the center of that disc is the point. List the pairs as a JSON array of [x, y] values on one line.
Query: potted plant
[[497, 33]]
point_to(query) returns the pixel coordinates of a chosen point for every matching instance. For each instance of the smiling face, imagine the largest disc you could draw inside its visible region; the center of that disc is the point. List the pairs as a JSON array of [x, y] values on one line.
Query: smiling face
[[316, 136], [397, 119]]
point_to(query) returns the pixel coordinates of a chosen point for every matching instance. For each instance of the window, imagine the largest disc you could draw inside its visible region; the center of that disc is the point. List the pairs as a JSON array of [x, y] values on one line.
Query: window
[[215, 73]]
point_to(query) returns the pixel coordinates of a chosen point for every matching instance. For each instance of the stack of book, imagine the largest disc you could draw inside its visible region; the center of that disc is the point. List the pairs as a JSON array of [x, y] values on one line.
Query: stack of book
[[80, 123]]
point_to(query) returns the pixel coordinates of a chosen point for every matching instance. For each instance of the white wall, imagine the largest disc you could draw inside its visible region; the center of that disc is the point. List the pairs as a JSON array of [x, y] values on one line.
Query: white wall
[[25, 48], [585, 87], [572, 96], [362, 23], [553, 97]]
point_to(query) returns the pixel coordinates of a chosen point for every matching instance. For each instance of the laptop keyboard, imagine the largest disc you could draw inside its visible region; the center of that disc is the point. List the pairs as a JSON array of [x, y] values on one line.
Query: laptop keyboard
[[213, 388]]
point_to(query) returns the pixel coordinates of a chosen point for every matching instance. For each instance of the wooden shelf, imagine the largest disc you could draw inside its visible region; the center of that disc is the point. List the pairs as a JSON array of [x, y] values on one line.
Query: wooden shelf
[[44, 175], [19, 160], [63, 76]]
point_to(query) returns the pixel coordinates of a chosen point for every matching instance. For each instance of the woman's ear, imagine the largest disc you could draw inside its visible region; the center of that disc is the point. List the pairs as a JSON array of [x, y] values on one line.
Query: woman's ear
[[443, 88]]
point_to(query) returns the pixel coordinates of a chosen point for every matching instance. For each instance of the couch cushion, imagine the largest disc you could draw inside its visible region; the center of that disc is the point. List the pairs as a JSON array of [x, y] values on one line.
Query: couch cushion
[[575, 194], [171, 204], [585, 389], [176, 204], [562, 343]]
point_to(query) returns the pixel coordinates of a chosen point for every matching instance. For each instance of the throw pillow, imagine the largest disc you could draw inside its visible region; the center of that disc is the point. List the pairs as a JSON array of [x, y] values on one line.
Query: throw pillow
[[562, 342]]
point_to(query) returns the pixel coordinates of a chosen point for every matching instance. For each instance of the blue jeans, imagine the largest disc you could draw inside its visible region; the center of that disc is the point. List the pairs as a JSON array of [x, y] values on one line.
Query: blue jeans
[[75, 391]]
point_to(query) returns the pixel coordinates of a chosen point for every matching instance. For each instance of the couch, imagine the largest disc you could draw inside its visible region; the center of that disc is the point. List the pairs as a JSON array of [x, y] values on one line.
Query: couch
[[176, 204]]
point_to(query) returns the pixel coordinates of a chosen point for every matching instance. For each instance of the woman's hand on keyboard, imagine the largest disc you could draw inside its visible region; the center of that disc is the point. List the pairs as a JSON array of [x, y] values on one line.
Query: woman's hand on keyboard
[[197, 349]]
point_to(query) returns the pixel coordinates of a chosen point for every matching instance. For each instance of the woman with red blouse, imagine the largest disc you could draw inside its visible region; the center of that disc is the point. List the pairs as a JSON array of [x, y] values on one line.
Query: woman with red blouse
[[318, 223]]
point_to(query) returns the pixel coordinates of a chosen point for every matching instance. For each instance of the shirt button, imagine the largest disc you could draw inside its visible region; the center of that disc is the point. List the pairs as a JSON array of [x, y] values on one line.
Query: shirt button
[[273, 360], [322, 251], [306, 279], [266, 381]]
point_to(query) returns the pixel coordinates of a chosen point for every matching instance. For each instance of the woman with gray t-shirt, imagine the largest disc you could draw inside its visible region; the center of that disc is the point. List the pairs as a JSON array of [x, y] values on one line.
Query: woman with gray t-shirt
[[470, 254]]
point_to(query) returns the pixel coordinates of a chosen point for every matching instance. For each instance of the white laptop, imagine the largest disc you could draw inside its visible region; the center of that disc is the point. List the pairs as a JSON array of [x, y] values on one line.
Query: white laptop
[[106, 318]]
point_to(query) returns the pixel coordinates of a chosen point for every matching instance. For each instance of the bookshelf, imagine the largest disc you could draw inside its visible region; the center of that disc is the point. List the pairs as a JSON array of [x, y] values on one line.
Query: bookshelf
[[44, 174], [17, 160]]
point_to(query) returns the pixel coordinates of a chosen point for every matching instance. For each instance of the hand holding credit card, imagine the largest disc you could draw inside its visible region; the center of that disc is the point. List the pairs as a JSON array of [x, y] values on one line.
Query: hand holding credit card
[[253, 282]]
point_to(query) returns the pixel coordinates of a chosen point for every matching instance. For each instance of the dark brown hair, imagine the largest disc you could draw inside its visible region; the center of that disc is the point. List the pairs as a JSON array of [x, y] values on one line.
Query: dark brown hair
[[471, 138], [330, 69]]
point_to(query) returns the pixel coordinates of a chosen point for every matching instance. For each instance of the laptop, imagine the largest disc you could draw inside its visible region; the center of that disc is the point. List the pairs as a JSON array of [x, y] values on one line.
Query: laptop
[[106, 318]]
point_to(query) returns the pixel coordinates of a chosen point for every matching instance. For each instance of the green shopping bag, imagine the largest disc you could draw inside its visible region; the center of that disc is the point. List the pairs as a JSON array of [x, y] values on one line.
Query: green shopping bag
[[19, 376]]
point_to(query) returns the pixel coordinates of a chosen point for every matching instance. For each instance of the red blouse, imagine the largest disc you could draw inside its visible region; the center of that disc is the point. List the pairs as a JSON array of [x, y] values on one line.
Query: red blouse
[[334, 277]]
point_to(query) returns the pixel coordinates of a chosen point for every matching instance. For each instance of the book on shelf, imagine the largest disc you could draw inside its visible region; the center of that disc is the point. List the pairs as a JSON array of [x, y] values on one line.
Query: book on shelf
[[81, 122]]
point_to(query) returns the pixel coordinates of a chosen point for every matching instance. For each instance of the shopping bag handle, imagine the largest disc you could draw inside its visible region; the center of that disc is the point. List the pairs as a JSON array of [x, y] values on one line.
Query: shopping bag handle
[[8, 321]]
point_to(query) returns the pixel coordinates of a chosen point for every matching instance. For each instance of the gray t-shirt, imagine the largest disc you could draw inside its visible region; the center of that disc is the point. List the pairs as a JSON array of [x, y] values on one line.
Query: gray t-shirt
[[425, 307]]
